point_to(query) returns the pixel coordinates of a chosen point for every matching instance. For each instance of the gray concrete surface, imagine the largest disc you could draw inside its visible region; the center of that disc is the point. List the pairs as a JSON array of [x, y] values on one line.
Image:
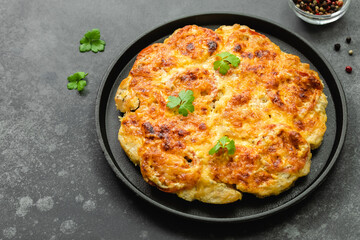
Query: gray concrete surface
[[54, 180]]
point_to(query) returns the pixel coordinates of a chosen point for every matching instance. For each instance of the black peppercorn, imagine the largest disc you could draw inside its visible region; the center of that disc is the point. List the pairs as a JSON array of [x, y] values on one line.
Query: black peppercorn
[[337, 47], [348, 39], [319, 7]]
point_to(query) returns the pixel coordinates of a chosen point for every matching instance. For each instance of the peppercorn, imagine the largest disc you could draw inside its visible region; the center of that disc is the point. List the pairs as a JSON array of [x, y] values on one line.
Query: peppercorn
[[337, 47], [348, 39], [319, 7], [350, 52], [348, 69]]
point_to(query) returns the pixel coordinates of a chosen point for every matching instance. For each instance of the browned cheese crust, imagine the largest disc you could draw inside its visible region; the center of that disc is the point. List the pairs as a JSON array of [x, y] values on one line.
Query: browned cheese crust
[[271, 105]]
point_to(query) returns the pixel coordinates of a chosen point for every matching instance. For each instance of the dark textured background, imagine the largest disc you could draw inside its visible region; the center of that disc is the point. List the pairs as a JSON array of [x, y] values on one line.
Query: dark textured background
[[54, 180]]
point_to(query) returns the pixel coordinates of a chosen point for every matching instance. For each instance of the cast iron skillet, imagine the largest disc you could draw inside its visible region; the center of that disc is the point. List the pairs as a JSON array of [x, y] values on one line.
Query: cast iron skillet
[[250, 208]]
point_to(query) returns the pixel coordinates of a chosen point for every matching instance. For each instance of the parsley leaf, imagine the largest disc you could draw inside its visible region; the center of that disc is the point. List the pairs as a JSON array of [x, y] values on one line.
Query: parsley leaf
[[224, 142], [173, 101], [224, 64], [91, 41], [184, 101], [215, 149], [231, 147], [76, 81]]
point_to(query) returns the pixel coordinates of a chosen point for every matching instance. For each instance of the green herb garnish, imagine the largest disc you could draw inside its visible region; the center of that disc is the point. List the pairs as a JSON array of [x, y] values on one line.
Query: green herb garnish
[[184, 100], [76, 81], [91, 41], [224, 64], [224, 142]]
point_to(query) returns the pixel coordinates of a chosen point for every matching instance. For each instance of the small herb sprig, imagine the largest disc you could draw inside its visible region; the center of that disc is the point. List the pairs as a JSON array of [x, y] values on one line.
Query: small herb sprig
[[224, 64], [224, 142], [91, 41], [76, 81], [184, 101]]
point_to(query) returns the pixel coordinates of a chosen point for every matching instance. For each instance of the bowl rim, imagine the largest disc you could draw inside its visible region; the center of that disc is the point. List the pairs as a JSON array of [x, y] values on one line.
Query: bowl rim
[[342, 10]]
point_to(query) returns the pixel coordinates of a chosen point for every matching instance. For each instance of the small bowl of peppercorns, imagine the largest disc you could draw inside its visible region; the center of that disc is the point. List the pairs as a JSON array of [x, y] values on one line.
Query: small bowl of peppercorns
[[319, 12]]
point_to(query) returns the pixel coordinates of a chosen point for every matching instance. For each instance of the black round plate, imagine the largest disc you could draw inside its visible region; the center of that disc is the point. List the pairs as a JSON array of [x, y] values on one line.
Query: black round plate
[[250, 208]]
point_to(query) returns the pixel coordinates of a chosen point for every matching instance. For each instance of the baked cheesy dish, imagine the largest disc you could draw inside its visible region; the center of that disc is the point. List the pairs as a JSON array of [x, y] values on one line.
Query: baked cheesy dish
[[271, 105]]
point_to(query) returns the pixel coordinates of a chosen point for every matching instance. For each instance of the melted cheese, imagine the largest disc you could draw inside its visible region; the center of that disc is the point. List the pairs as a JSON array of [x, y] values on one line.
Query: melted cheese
[[271, 105]]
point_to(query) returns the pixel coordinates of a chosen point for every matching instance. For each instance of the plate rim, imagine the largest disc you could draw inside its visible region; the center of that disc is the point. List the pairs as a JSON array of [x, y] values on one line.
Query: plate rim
[[298, 198]]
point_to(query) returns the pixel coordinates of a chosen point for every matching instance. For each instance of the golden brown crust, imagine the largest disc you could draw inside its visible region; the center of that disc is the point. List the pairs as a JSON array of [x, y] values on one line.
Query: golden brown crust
[[195, 42], [268, 166], [272, 106]]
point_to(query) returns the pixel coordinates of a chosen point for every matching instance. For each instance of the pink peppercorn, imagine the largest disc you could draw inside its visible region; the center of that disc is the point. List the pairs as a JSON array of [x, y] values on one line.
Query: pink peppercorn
[[348, 69], [319, 7]]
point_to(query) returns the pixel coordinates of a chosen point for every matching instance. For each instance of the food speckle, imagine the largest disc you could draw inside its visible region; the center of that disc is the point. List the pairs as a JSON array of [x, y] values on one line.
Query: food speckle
[[25, 204], [337, 46], [351, 52], [79, 198], [144, 234], [348, 69], [101, 191], [68, 227], [62, 173], [89, 205], [45, 204], [291, 231], [9, 232]]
